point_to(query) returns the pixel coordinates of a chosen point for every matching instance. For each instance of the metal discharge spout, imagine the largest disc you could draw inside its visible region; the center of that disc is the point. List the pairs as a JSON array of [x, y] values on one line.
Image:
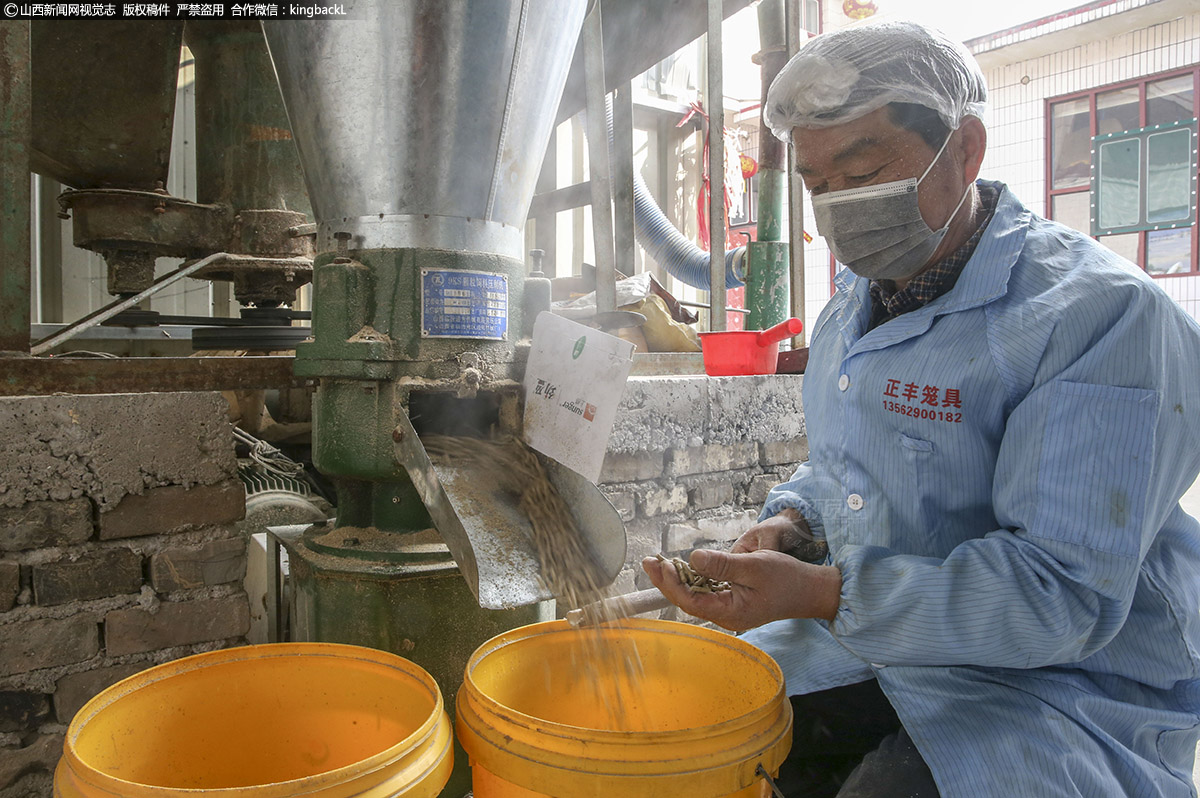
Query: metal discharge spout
[[423, 123]]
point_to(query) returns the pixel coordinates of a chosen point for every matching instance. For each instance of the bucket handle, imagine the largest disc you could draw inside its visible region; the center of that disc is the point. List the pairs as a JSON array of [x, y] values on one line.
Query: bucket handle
[[785, 329], [762, 771]]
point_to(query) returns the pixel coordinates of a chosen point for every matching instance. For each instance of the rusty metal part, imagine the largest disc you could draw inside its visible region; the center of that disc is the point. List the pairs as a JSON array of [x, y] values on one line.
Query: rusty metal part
[[267, 286], [104, 100], [246, 159], [280, 262], [262, 281], [112, 309], [152, 221], [246, 156], [15, 281], [131, 228], [40, 376], [129, 270], [269, 232]]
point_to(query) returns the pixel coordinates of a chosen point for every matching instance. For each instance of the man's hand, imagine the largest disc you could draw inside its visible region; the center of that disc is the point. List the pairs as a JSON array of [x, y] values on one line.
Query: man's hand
[[765, 586]]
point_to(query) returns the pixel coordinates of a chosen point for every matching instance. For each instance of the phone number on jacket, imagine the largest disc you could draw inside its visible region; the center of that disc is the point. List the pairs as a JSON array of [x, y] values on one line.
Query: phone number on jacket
[[922, 412]]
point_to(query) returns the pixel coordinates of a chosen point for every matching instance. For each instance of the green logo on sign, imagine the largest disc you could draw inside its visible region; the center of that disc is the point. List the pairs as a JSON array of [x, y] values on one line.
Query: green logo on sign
[[579, 347]]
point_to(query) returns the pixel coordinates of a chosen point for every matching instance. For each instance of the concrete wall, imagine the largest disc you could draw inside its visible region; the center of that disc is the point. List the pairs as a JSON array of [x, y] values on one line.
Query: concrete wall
[[118, 551], [691, 460]]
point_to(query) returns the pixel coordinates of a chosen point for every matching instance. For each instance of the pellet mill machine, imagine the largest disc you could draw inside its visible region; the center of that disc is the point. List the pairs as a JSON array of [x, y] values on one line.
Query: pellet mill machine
[[421, 128]]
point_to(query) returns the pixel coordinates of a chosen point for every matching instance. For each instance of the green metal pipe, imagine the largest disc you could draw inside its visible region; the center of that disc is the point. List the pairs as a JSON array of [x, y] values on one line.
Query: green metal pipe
[[772, 153], [767, 273], [768, 280], [768, 284], [352, 445], [15, 132], [772, 213]]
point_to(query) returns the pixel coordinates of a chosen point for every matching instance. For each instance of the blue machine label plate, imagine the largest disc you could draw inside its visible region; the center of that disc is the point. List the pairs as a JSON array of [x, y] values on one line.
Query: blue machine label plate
[[462, 304]]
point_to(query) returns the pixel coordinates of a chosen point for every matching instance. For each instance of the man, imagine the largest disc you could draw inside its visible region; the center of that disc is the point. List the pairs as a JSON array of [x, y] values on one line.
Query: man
[[1002, 417]]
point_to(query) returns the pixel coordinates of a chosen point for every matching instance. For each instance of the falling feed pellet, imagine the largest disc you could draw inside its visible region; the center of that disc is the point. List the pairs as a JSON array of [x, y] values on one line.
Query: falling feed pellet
[[568, 569]]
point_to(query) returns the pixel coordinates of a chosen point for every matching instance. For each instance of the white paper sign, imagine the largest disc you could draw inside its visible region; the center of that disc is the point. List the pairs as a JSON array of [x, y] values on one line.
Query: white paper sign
[[573, 384]]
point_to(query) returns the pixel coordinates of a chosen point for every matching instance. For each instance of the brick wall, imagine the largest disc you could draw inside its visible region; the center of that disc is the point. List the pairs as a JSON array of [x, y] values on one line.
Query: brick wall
[[118, 551], [691, 460]]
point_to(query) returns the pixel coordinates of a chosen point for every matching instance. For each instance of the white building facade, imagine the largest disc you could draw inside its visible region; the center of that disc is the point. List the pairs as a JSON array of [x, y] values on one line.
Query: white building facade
[[1092, 122]]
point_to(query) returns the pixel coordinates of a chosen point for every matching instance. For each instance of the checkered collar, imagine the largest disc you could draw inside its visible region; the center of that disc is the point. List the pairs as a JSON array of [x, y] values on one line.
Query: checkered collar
[[887, 303]]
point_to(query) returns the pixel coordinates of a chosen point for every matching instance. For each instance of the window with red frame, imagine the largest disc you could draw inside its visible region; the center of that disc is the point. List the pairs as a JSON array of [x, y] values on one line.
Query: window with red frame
[[1121, 166]]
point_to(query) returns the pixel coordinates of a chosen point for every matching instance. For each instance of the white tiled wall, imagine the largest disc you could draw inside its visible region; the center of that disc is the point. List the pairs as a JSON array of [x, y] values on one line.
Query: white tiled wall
[[1185, 291], [817, 285], [1080, 62]]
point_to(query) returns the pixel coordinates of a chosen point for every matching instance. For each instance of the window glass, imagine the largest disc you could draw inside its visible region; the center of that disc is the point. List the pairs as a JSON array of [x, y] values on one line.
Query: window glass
[[1117, 111], [1170, 100], [1119, 176], [812, 16], [1169, 251], [1070, 144], [1125, 245], [1169, 176], [1073, 210]]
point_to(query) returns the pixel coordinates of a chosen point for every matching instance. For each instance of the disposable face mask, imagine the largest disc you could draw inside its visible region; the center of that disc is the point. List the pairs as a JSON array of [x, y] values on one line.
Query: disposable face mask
[[878, 231]]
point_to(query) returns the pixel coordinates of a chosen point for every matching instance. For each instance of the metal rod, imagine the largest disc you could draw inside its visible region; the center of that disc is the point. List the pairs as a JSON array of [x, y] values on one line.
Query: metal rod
[[113, 308], [702, 305], [795, 196], [276, 609], [560, 199], [15, 132], [622, 167], [546, 221], [626, 605], [716, 167], [597, 137], [761, 772], [42, 376]]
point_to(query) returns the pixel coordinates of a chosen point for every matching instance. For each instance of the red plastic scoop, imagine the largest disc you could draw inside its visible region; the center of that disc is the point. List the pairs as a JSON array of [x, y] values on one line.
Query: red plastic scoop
[[740, 352]]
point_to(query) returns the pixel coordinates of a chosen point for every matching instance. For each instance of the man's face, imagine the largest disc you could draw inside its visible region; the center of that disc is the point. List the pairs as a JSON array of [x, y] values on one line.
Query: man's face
[[872, 150]]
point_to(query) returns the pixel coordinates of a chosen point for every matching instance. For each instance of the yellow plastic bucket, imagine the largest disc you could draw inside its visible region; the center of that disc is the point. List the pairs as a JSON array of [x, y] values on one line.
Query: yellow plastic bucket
[[706, 712], [289, 719]]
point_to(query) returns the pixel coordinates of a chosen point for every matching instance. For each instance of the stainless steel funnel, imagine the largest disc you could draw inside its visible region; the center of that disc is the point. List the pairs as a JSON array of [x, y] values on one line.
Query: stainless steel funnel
[[423, 123]]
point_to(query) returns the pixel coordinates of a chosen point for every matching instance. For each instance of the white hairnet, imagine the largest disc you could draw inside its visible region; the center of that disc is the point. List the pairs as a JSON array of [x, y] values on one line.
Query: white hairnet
[[842, 75]]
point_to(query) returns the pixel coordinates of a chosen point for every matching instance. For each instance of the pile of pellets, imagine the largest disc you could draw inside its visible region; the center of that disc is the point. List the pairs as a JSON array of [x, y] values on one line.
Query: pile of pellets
[[694, 581]]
